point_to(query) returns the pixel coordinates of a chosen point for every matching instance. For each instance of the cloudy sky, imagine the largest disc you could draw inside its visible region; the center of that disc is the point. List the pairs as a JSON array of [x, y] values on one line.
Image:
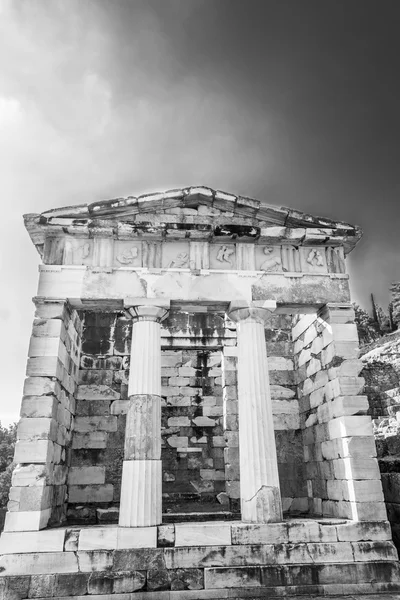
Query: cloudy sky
[[295, 102]]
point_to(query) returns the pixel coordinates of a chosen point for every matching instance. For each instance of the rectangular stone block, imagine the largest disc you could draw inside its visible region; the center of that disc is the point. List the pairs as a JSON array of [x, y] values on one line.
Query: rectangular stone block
[[33, 541], [270, 533], [343, 406], [364, 531], [203, 534], [344, 386], [47, 327], [96, 392], [34, 498], [37, 451], [98, 538], [34, 429], [136, 537], [356, 447], [27, 521], [96, 561], [38, 563], [95, 439], [39, 406], [32, 475], [232, 577], [310, 531], [355, 490], [95, 423], [90, 493], [44, 346], [344, 332], [86, 475], [374, 551], [38, 386], [349, 426], [356, 468], [44, 366]]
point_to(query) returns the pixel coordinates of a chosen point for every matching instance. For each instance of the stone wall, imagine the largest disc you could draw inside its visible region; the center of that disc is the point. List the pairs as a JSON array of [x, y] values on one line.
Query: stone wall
[[342, 471], [42, 452], [200, 448]]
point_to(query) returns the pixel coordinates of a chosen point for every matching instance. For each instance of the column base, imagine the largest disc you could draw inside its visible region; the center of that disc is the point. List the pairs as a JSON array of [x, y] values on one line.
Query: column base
[[264, 507], [141, 500]]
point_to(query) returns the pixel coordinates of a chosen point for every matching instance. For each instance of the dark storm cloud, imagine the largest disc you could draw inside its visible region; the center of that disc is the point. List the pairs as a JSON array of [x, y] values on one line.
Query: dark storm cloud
[[294, 102]]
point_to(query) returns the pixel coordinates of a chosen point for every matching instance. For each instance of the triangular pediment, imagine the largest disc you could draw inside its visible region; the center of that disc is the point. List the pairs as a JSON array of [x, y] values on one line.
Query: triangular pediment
[[199, 208]]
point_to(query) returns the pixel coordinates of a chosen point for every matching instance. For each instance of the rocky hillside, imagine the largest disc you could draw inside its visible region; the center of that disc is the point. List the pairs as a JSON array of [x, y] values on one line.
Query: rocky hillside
[[382, 385]]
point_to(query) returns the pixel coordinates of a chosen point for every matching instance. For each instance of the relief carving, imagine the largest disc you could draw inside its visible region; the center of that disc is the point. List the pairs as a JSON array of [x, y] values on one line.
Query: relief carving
[[85, 250], [128, 256], [272, 263], [224, 254], [315, 258], [180, 261]]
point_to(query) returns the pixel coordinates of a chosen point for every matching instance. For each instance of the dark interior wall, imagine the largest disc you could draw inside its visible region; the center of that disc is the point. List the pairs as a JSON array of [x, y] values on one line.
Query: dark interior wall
[[200, 448]]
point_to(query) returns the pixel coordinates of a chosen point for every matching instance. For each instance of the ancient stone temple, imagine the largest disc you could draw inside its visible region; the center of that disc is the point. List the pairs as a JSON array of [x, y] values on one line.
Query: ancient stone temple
[[193, 424]]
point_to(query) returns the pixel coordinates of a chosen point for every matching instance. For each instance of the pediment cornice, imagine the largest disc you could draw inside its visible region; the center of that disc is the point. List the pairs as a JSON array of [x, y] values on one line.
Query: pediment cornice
[[196, 213]]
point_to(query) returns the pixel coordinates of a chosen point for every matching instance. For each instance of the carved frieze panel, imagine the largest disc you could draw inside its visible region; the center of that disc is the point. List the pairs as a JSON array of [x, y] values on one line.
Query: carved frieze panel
[[78, 251], [313, 259], [127, 254], [107, 252], [175, 255], [223, 256], [268, 258]]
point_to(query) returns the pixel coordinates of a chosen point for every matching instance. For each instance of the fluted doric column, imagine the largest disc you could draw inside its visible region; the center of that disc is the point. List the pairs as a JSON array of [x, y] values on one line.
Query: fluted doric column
[[259, 481], [141, 504]]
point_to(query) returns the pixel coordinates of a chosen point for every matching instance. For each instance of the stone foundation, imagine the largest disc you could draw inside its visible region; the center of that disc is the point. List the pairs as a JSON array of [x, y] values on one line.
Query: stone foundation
[[201, 561]]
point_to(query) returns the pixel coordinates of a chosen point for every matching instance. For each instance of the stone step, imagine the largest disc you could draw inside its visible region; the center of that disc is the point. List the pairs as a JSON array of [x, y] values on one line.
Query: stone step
[[200, 561], [299, 581], [179, 517]]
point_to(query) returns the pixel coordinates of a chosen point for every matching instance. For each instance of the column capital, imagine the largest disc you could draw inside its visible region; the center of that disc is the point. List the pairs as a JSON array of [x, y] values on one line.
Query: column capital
[[255, 312], [146, 312]]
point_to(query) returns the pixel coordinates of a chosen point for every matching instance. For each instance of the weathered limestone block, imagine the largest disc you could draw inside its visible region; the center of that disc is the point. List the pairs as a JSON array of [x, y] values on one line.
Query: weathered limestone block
[[129, 582], [349, 426], [95, 423], [271, 533], [26, 521], [39, 406], [86, 475], [34, 541], [35, 498], [41, 386], [356, 468], [90, 493], [96, 392], [36, 429], [37, 451], [343, 406], [202, 534], [364, 490], [355, 447]]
